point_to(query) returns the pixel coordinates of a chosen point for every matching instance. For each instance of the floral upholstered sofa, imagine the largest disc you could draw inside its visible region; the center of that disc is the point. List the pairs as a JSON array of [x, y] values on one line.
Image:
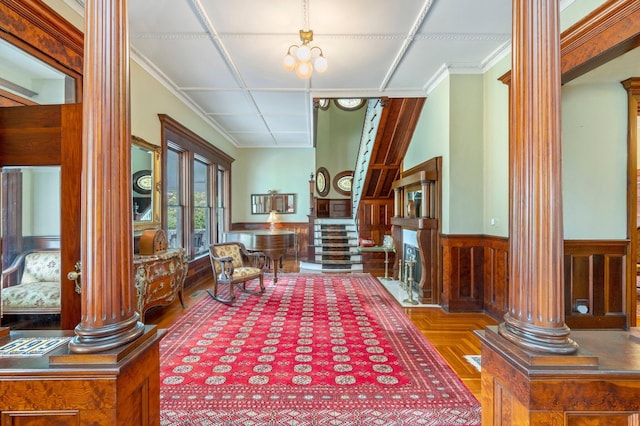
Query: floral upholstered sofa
[[32, 284]]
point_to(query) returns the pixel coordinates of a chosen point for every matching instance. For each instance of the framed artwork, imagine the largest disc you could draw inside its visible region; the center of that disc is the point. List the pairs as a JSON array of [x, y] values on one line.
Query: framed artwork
[[143, 182], [323, 104], [322, 181], [342, 182]]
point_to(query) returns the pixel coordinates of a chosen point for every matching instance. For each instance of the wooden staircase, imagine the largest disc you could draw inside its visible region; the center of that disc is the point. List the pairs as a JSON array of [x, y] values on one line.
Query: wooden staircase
[[336, 246]]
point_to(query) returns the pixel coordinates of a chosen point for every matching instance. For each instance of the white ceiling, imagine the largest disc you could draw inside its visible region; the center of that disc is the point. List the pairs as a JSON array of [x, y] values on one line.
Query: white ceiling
[[224, 57]]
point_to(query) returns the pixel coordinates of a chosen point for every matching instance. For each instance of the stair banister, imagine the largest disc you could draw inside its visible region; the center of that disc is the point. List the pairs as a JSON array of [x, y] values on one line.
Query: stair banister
[[367, 139]]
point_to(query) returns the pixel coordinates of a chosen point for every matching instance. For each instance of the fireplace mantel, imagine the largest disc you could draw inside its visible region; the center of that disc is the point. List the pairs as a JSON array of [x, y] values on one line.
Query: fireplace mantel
[[417, 207]]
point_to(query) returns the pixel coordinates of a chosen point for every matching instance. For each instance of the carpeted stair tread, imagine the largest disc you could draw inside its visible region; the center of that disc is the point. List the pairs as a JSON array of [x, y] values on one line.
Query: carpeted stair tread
[[336, 246]]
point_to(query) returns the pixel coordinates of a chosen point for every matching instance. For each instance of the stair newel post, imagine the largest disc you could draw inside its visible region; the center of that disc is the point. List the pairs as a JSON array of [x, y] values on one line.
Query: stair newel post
[[311, 249]]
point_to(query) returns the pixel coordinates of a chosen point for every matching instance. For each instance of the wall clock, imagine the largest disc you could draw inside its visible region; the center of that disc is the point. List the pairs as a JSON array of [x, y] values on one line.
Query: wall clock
[[322, 181], [143, 182], [349, 104], [343, 181]]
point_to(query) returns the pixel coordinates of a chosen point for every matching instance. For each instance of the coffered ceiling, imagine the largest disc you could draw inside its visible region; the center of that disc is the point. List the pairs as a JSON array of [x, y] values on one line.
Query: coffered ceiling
[[225, 57]]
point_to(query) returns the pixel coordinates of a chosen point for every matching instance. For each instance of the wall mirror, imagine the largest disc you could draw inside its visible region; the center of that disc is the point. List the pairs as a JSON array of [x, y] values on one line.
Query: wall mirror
[[265, 203], [146, 188]]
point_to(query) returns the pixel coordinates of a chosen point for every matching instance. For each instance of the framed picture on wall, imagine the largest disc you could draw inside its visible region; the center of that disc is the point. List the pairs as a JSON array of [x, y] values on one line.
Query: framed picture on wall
[[322, 181], [342, 182]]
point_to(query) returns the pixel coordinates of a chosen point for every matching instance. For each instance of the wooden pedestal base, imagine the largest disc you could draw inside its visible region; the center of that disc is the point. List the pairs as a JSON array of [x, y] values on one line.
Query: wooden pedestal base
[[62, 388], [599, 385]]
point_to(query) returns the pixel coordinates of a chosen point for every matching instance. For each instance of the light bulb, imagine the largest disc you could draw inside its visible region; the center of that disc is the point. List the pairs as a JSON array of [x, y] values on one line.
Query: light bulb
[[288, 62], [304, 70], [303, 53], [320, 64]]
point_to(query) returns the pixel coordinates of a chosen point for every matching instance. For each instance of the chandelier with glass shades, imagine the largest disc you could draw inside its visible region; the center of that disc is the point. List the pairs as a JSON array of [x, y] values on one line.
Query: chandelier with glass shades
[[304, 59]]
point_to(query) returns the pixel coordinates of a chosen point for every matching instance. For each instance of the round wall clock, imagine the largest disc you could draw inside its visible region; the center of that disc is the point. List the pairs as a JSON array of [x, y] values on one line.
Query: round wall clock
[[322, 181], [349, 104], [343, 181], [142, 182]]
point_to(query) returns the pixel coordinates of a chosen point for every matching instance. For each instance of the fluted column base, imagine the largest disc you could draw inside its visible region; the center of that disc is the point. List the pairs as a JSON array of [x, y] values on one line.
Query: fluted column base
[[535, 338], [91, 340]]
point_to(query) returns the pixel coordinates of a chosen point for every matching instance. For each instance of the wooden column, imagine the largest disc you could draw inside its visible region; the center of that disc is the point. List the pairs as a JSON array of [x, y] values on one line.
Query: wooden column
[[535, 319], [109, 318]]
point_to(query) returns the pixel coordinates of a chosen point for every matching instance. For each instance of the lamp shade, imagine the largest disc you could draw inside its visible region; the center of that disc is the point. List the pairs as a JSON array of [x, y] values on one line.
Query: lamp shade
[[304, 69], [272, 219], [289, 62], [320, 64], [303, 53]]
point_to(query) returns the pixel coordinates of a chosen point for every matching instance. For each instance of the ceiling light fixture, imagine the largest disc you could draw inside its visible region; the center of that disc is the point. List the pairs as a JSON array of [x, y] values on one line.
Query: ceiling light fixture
[[304, 58]]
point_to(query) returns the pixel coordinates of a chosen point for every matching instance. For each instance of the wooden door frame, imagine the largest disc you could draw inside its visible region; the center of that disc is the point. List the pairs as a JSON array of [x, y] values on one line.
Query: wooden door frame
[[36, 28], [632, 87], [51, 135]]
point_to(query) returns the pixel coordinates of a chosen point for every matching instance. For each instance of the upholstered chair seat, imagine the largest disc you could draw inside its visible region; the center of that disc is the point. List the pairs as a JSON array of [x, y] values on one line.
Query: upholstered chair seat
[[233, 264], [37, 287]]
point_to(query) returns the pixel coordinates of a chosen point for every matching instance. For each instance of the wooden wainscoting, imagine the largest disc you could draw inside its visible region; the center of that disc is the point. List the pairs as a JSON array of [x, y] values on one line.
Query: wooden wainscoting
[[496, 275], [594, 276], [374, 219], [476, 277], [462, 272]]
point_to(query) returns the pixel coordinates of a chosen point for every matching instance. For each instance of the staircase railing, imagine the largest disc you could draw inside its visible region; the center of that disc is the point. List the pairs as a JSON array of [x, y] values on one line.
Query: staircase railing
[[367, 140]]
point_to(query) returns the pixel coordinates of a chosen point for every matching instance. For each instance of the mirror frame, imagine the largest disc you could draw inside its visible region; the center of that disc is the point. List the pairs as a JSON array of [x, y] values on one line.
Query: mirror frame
[[273, 197], [156, 190]]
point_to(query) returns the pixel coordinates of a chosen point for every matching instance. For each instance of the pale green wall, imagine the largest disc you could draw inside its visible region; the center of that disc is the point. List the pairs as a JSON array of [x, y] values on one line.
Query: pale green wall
[[41, 201], [258, 170], [466, 150], [339, 134], [576, 11], [451, 126], [431, 139], [594, 172], [69, 10], [496, 150]]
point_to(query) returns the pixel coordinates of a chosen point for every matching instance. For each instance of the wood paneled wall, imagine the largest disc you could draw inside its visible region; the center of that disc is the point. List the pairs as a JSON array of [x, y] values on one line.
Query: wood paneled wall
[[476, 276], [374, 219], [475, 273], [594, 275]]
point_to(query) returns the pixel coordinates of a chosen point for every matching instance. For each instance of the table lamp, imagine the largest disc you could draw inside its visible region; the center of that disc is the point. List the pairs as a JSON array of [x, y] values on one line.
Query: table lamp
[[273, 218]]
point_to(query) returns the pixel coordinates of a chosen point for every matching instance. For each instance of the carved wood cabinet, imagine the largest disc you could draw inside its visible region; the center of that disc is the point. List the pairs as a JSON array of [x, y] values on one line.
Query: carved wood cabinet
[[159, 279]]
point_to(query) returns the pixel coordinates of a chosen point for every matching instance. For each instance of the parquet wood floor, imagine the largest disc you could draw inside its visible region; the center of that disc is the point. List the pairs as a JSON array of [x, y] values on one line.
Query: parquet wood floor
[[450, 333]]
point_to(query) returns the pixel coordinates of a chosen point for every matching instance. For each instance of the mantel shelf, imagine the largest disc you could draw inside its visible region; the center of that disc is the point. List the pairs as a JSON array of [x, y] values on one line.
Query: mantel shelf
[[418, 177], [415, 222]]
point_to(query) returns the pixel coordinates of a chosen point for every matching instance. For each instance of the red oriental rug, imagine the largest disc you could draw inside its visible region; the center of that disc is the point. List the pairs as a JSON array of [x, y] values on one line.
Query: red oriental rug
[[315, 349]]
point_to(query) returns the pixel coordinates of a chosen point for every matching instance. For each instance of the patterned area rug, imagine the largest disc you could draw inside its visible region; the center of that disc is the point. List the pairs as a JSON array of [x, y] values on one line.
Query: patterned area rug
[[312, 350]]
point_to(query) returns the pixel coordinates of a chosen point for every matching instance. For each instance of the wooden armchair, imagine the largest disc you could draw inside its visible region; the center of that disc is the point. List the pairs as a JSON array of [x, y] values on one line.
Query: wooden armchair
[[229, 267]]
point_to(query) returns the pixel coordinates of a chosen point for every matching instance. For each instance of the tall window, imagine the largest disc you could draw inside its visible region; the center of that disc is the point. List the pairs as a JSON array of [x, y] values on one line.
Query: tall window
[[202, 207], [197, 176], [221, 210], [174, 222]]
